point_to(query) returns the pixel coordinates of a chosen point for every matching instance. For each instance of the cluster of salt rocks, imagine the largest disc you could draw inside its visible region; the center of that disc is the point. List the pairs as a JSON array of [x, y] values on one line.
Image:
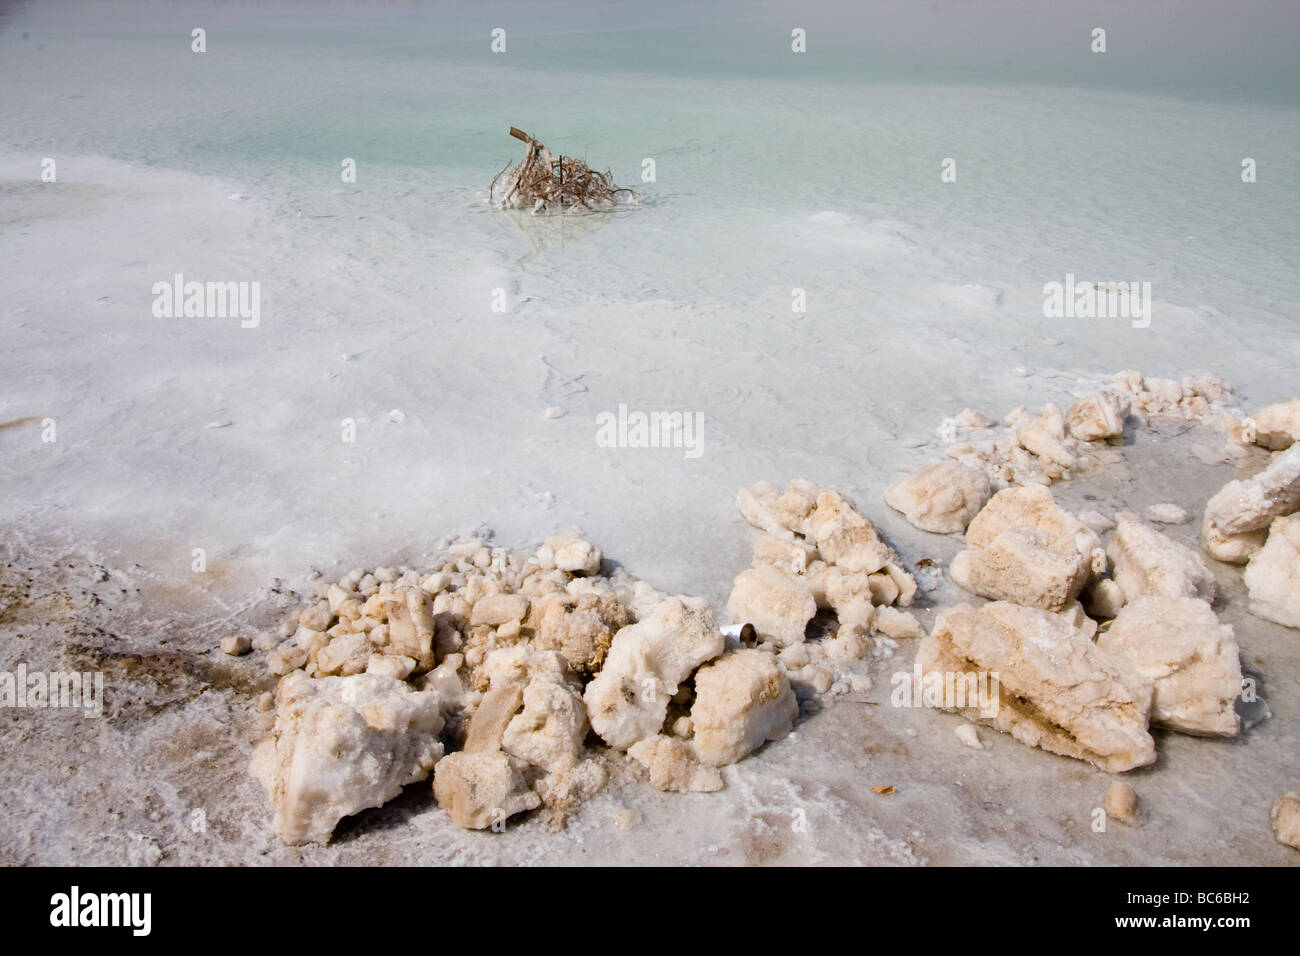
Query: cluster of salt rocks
[[1161, 656], [820, 559], [1051, 446], [490, 670], [1256, 521]]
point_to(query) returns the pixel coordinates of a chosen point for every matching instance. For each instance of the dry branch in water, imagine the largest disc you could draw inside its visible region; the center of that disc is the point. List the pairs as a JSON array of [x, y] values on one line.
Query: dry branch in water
[[545, 182]]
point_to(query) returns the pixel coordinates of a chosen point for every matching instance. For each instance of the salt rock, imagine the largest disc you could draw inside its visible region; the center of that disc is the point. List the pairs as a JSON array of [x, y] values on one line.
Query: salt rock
[[1190, 659], [1286, 819], [628, 700], [498, 609], [1273, 575], [1031, 507], [849, 594], [1249, 505], [970, 420], [1149, 564], [969, 736], [480, 789], [411, 627], [1039, 442], [1103, 598], [236, 645], [1056, 689], [775, 513], [1122, 802], [550, 730], [673, 765], [391, 665], [942, 497], [845, 537], [574, 554], [792, 555], [742, 700], [779, 605], [1232, 548], [1026, 566], [1278, 426], [581, 628], [345, 656], [1166, 513], [342, 744], [1096, 417], [899, 625]]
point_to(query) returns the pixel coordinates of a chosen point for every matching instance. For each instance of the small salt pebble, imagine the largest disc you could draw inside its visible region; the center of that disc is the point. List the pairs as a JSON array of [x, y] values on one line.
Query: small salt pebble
[[222, 424], [396, 416], [554, 412], [1166, 513], [1122, 802], [625, 819], [1020, 371], [969, 736], [265, 701], [236, 645], [915, 443]]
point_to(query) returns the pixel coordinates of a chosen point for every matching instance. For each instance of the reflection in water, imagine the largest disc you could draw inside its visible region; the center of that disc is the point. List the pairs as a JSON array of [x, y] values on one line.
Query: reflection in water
[[551, 229]]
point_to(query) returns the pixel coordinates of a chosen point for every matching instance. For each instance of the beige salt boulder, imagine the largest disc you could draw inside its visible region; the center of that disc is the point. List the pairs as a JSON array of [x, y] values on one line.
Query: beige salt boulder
[[673, 765], [791, 555], [1273, 576], [942, 497], [573, 554], [409, 617], [742, 700], [581, 628], [1278, 426], [342, 744], [1147, 563], [1191, 660], [1026, 549], [345, 656], [1239, 513], [779, 605], [550, 730], [1286, 819], [1096, 416], [775, 512], [480, 789], [1056, 689], [628, 700]]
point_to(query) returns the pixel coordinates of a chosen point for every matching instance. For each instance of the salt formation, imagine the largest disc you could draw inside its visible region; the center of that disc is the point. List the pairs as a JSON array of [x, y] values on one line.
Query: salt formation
[[1286, 819], [342, 744], [480, 789], [820, 557], [1122, 802], [1191, 660], [1273, 576], [1278, 426], [1026, 549], [628, 700], [1146, 563], [1238, 516], [742, 700], [1056, 690], [942, 497], [510, 662], [1053, 446]]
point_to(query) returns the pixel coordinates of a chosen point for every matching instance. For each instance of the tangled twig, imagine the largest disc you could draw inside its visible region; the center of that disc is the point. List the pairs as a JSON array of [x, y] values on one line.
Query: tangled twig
[[545, 182]]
